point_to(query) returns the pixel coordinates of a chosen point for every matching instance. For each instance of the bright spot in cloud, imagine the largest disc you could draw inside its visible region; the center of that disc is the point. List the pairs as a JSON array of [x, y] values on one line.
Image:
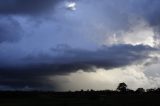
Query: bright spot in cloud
[[139, 34], [71, 6]]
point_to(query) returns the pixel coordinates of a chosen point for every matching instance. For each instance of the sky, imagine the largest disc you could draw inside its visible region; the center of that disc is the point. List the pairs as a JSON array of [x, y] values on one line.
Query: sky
[[63, 45]]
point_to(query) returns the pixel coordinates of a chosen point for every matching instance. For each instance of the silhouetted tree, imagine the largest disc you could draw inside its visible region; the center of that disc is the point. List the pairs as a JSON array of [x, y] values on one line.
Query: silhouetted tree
[[82, 90], [150, 90], [158, 90], [122, 87], [140, 90], [130, 90], [91, 90]]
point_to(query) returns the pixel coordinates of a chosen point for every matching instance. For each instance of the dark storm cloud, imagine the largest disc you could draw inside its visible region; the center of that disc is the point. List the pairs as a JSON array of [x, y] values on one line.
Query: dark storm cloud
[[19, 78], [150, 10], [35, 73], [10, 30], [106, 57], [146, 9], [26, 7]]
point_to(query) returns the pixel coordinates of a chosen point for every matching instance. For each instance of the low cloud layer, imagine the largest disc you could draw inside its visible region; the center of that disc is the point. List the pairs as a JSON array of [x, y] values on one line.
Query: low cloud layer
[[35, 70]]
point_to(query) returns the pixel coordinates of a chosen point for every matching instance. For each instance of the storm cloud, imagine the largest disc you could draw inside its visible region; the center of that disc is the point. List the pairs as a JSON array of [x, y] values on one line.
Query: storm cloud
[[36, 69], [28, 7], [10, 30], [106, 34], [10, 27]]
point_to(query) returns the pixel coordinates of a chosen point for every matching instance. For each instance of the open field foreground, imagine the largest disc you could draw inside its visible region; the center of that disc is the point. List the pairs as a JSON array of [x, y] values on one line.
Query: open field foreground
[[94, 98]]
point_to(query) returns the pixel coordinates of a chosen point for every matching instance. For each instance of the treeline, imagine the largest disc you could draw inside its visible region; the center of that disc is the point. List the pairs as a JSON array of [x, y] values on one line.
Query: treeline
[[121, 89], [122, 96]]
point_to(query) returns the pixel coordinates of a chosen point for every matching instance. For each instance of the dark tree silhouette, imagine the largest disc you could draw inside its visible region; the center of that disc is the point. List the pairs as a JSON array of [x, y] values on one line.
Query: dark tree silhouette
[[150, 90], [122, 87], [140, 90]]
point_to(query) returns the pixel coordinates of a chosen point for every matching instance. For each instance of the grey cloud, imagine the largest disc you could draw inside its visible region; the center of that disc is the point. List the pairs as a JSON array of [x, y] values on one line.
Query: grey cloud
[[10, 30], [25, 7], [19, 78], [147, 9], [124, 14], [105, 57], [35, 73]]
